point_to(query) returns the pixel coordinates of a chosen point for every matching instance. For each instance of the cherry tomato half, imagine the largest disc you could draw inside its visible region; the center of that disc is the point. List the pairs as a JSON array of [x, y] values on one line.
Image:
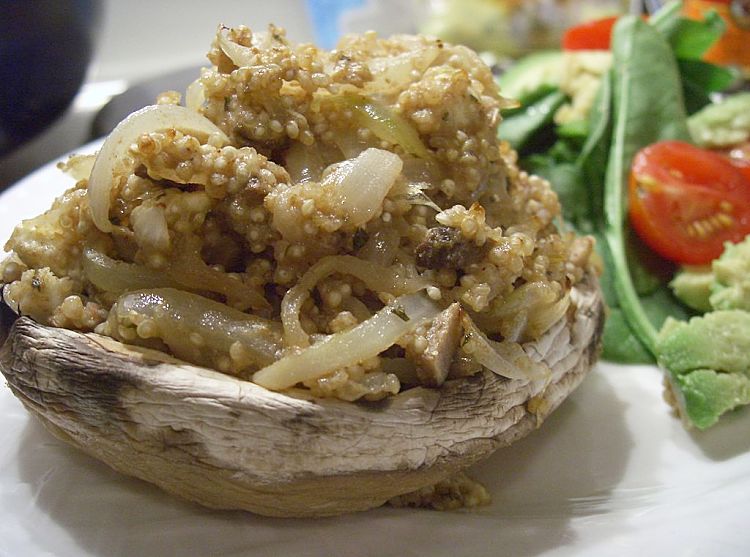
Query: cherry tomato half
[[593, 35], [739, 156], [685, 202]]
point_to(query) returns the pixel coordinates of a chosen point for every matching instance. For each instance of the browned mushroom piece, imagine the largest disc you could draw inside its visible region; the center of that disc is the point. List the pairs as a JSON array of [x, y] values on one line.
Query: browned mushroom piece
[[443, 338]]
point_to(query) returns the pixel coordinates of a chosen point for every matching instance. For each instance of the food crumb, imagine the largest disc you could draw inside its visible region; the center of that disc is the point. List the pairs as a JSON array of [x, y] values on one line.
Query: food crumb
[[456, 492]]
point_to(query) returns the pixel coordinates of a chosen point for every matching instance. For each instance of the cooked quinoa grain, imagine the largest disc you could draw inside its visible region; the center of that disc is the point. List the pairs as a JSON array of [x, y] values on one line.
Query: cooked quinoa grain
[[315, 188]]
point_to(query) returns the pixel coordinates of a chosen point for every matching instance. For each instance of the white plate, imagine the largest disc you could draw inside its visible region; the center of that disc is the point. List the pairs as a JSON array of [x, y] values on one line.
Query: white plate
[[612, 472]]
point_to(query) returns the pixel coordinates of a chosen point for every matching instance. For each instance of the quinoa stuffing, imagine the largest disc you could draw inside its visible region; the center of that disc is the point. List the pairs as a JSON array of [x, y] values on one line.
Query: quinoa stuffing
[[343, 221]]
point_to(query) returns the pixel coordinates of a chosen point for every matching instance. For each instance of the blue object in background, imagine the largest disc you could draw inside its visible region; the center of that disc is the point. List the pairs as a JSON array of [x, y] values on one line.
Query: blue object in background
[[326, 17], [45, 48]]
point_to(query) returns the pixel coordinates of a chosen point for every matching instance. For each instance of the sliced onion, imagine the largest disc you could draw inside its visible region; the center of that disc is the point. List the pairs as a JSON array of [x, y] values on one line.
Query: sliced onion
[[506, 359], [243, 56], [187, 272], [420, 175], [376, 277], [511, 316], [149, 119], [385, 123], [110, 275], [353, 189], [199, 330], [416, 196], [361, 184], [395, 71], [418, 170], [195, 95], [286, 216], [391, 127], [357, 308], [381, 247], [542, 319], [366, 340], [525, 296], [78, 167], [188, 268], [303, 163], [351, 144]]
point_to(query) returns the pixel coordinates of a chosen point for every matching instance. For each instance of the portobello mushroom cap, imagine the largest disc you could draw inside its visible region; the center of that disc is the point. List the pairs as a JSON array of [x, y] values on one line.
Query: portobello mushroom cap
[[231, 444]]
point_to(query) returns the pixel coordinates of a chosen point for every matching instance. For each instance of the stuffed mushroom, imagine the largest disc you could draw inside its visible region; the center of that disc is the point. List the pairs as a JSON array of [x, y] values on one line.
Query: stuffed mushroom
[[320, 284]]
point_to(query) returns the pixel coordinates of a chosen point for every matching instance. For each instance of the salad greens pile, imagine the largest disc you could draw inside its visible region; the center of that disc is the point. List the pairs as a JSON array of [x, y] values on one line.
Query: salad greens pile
[[656, 81]]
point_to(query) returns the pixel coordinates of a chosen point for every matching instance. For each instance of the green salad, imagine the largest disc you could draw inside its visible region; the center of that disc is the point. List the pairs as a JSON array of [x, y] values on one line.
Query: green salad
[[647, 153]]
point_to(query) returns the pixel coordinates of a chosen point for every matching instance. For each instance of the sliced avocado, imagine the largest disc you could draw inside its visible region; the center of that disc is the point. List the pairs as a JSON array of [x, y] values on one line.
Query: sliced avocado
[[707, 361], [731, 285], [719, 340], [704, 395], [692, 286], [533, 72]]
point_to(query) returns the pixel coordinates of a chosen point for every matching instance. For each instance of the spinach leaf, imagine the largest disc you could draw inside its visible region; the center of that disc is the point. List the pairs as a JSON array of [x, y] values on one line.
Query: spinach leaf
[[530, 98], [640, 103], [665, 20], [689, 39], [709, 77], [648, 270], [621, 345], [648, 107], [662, 304], [565, 149], [558, 166], [592, 161], [619, 342], [519, 127], [577, 130], [700, 79]]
